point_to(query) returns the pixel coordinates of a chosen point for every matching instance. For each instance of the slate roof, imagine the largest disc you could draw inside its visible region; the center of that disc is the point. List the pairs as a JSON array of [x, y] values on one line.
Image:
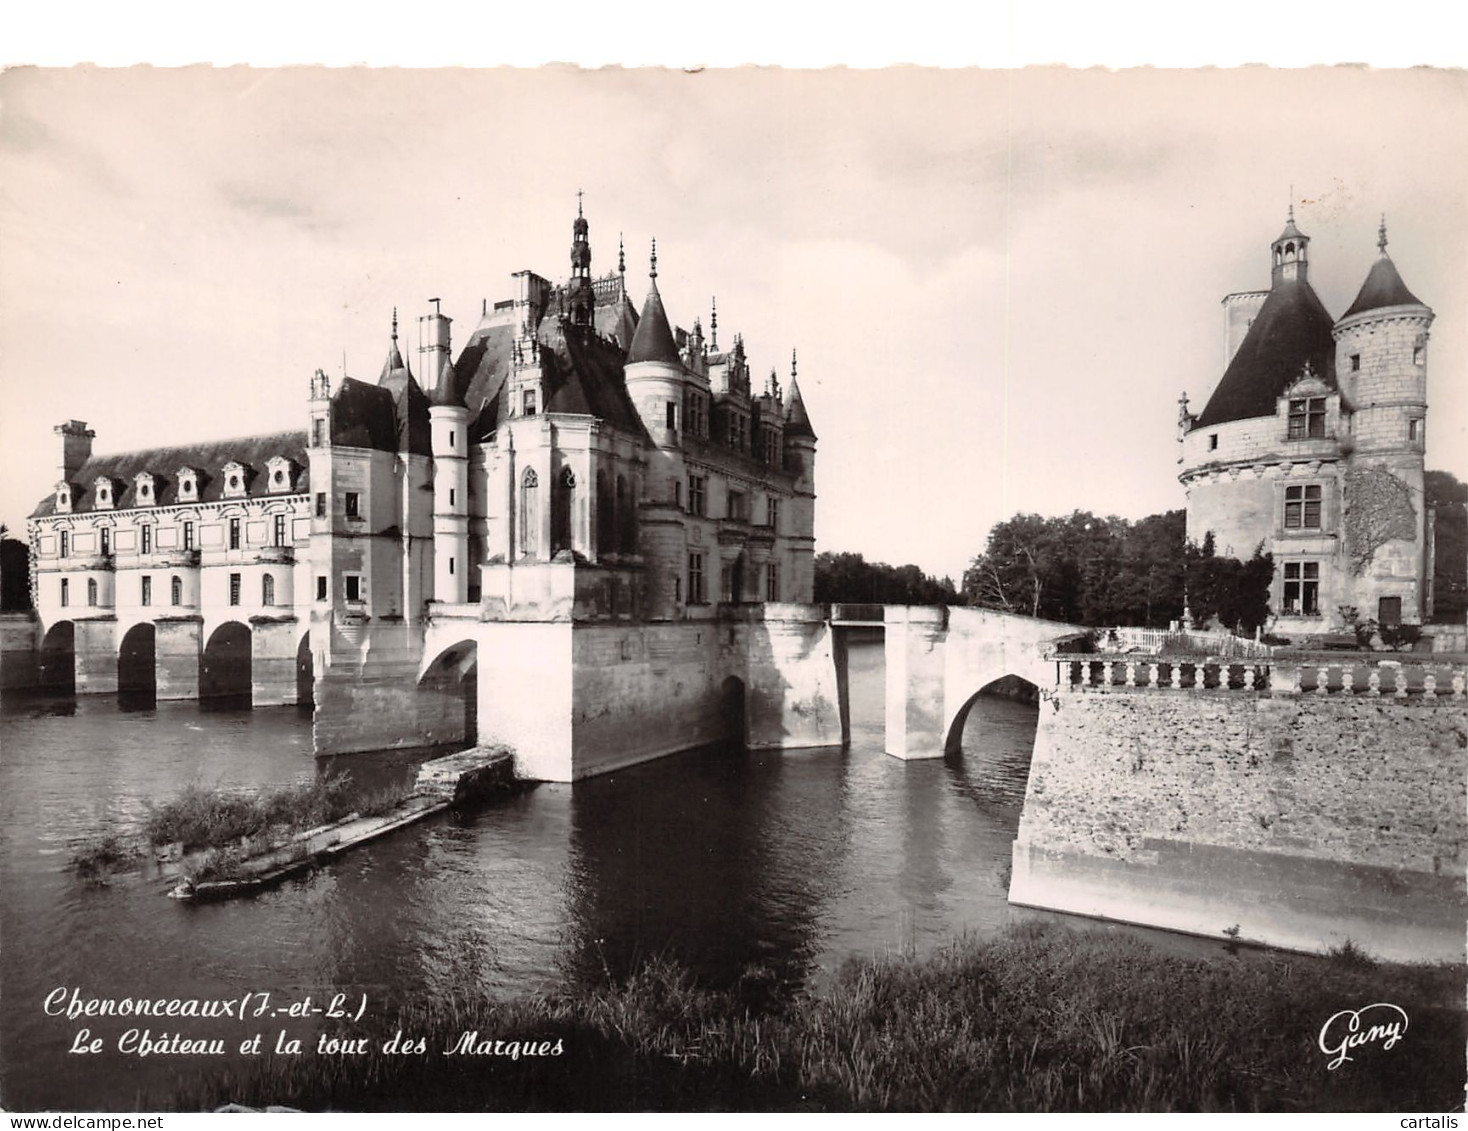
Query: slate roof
[[363, 416], [1383, 287], [207, 458], [797, 420], [1291, 328], [653, 340]]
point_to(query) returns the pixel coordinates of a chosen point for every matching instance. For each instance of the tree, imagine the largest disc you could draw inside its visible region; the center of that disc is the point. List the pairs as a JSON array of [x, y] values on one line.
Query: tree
[[1447, 498], [15, 573], [850, 578]]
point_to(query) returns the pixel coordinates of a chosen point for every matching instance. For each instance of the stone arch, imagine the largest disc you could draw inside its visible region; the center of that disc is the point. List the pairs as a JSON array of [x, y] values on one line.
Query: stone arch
[[448, 695], [305, 672], [137, 663], [57, 670], [1007, 686], [563, 494], [733, 710], [226, 669]]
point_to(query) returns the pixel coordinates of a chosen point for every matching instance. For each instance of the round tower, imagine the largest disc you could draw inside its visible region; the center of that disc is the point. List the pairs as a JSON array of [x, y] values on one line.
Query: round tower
[[800, 459], [654, 369], [1381, 362], [449, 438]]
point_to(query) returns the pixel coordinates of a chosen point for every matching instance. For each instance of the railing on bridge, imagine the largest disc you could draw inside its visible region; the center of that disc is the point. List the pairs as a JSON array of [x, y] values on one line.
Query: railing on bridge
[[857, 614], [1367, 676]]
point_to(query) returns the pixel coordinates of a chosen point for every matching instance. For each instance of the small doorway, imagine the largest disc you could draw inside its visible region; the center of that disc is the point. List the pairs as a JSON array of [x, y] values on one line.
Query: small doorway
[[1389, 612]]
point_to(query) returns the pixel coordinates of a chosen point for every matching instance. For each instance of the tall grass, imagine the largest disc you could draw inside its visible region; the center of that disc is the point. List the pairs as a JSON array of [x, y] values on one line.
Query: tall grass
[[1042, 1018], [213, 818]]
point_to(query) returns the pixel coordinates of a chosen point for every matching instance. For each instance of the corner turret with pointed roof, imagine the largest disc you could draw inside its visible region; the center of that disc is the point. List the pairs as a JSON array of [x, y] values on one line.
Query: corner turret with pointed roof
[[797, 419], [1383, 286], [653, 340]]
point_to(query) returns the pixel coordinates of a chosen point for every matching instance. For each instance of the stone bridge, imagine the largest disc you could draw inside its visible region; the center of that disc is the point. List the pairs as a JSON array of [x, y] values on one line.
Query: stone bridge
[[939, 660]]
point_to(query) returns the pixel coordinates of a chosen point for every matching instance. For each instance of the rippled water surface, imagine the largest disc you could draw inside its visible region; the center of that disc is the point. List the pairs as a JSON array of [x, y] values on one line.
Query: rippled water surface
[[783, 865]]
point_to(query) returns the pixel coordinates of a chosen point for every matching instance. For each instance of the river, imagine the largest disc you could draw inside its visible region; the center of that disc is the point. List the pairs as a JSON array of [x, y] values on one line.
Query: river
[[773, 866]]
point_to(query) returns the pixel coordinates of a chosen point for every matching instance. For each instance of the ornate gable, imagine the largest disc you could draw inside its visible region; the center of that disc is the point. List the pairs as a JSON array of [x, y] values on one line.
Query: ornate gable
[[237, 478]]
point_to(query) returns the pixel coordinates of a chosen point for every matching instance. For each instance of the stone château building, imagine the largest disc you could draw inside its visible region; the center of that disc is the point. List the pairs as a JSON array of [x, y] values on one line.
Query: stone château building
[[537, 540], [1312, 444]]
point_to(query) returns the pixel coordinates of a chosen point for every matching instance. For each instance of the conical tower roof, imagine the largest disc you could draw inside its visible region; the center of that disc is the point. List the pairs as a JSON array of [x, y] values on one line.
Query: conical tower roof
[[1383, 285], [445, 390], [653, 340], [797, 420]]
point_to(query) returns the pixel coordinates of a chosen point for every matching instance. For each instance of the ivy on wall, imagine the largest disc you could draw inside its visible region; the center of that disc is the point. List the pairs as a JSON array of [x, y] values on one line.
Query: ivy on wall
[[1378, 509]]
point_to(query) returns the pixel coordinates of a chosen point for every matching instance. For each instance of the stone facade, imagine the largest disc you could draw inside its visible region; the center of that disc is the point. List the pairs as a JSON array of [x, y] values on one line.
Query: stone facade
[[569, 538], [1312, 446], [1300, 819]]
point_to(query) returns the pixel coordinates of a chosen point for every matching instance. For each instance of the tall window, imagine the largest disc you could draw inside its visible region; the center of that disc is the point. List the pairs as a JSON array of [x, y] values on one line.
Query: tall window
[[353, 504], [353, 586], [562, 509], [529, 511], [175, 591], [695, 494], [147, 591], [234, 534], [672, 411], [1302, 588], [320, 504], [772, 581], [267, 590], [772, 513], [91, 591], [234, 589], [1307, 418], [278, 534], [527, 402], [188, 535], [146, 534], [1414, 430], [606, 519], [320, 587], [1302, 507], [695, 579], [738, 508], [65, 591], [106, 535], [64, 537]]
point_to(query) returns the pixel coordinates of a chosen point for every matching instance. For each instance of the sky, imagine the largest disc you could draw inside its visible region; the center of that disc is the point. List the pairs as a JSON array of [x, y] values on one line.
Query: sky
[[998, 281]]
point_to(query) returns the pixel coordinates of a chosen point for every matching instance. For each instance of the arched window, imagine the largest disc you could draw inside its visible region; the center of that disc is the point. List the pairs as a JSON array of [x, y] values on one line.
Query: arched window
[[529, 511], [267, 590], [65, 539], [561, 511], [91, 590], [176, 590]]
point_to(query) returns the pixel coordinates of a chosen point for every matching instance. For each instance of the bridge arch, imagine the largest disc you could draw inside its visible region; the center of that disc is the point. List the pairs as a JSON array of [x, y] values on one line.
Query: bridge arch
[[1011, 687], [448, 694], [137, 665], [57, 672], [226, 670]]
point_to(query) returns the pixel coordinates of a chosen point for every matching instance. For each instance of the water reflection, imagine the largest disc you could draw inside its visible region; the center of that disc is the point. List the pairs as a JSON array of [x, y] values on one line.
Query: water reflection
[[754, 869]]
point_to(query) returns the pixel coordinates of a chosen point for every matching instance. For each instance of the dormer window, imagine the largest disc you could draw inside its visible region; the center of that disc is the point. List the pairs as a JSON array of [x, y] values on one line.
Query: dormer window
[[145, 489], [281, 473], [188, 485], [1307, 419], [63, 498], [236, 480], [102, 493]]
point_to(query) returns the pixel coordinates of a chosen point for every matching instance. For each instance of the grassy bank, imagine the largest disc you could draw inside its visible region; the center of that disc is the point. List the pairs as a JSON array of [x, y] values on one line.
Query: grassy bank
[[1043, 1018]]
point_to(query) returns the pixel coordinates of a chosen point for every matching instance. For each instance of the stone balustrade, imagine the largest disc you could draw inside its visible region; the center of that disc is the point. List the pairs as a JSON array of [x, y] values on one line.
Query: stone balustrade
[[1368, 676]]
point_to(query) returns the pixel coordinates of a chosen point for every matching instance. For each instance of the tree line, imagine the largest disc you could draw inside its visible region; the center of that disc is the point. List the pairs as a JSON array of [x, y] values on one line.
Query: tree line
[[1101, 571]]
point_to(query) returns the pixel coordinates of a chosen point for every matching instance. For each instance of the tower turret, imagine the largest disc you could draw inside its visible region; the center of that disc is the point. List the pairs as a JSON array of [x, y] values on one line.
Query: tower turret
[[654, 370], [580, 297], [1381, 360], [1290, 252], [800, 458]]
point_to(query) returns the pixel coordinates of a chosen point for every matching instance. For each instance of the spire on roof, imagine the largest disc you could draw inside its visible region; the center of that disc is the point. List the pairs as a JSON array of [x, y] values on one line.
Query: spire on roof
[[1383, 285], [797, 420], [653, 340], [714, 323], [394, 361]]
